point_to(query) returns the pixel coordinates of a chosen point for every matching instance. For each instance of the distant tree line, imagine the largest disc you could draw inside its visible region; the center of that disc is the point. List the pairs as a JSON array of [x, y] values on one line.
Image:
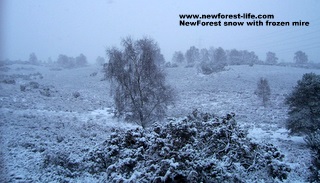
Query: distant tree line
[[217, 56], [215, 59], [63, 61]]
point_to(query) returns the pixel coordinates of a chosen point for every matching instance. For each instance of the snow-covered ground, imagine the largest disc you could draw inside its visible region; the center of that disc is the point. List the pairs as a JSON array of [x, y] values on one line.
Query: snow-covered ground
[[35, 126]]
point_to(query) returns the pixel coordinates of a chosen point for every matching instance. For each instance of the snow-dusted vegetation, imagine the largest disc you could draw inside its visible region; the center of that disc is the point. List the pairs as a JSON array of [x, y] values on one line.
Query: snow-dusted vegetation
[[58, 126], [200, 148]]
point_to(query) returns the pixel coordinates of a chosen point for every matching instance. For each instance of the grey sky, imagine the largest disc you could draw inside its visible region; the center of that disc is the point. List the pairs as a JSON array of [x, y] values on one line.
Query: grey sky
[[52, 27]]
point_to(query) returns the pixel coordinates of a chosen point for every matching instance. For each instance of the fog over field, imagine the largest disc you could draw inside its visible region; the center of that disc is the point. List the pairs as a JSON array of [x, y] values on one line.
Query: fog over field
[[159, 91]]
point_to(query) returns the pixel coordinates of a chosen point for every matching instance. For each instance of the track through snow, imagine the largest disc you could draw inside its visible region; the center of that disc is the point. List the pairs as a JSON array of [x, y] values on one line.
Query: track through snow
[[35, 127]]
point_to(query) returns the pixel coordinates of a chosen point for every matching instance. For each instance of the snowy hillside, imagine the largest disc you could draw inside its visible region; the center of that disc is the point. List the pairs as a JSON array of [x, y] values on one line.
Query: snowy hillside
[[47, 112]]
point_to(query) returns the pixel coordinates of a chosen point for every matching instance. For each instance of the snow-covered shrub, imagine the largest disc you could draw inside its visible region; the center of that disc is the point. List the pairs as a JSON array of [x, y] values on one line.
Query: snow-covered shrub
[[29, 86], [46, 92], [212, 60], [313, 141], [34, 84], [199, 148], [315, 167], [25, 69], [4, 69], [170, 65], [9, 81], [62, 163], [211, 67], [93, 74], [23, 88], [76, 94], [36, 75]]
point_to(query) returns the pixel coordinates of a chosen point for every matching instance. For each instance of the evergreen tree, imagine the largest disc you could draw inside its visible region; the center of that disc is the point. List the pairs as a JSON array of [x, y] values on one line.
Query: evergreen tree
[[304, 105]]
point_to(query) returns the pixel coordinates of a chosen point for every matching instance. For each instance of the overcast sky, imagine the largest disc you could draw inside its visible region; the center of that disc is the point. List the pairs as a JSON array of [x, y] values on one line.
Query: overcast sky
[[52, 27]]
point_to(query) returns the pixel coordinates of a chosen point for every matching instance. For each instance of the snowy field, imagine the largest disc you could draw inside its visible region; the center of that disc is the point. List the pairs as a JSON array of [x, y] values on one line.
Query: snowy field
[[48, 118]]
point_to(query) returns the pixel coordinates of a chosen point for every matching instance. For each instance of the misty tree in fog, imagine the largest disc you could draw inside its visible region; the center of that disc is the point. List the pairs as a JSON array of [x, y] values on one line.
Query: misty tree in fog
[[100, 60], [33, 59], [219, 59], [234, 57], [206, 61], [300, 57], [204, 66], [263, 90], [65, 61], [141, 93], [212, 60], [204, 55], [178, 57], [304, 105], [192, 56], [81, 60], [271, 58], [71, 62], [159, 59], [249, 58], [49, 61]]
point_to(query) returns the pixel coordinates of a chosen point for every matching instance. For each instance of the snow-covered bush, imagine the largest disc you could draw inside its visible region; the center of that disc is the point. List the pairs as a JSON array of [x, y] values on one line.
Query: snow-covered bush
[[313, 141], [170, 65], [4, 69], [46, 91], [23, 88], [199, 148], [30, 86], [34, 84], [62, 164], [76, 94], [212, 60], [93, 74], [9, 81]]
